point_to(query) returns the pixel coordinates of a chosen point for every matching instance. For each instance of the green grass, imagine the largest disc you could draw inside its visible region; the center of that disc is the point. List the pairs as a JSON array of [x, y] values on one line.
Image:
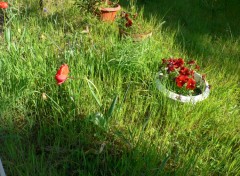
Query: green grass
[[111, 119]]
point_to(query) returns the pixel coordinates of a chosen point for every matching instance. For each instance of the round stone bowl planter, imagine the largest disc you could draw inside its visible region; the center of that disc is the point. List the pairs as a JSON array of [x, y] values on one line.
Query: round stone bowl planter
[[141, 37], [2, 173], [136, 37], [182, 98]]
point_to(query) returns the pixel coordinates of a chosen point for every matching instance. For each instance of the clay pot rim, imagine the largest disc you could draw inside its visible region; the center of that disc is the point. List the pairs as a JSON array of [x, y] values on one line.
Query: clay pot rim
[[110, 9]]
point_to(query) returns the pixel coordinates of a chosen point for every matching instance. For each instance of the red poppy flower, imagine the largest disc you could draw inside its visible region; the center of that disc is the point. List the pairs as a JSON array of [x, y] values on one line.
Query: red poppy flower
[[129, 23], [181, 80], [62, 74], [3, 5], [191, 84]]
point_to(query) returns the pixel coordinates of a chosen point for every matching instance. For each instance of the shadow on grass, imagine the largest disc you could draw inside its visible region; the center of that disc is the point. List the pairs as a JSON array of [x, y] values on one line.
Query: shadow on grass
[[77, 148]]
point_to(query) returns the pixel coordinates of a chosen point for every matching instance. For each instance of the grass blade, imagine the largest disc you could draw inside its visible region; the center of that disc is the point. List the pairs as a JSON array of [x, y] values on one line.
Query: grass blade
[[92, 87], [112, 107]]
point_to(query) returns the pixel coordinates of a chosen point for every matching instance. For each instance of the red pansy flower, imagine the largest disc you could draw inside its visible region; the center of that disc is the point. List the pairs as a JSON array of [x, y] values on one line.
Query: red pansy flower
[[178, 63], [172, 61], [191, 84], [184, 71], [170, 67], [181, 80], [3, 5], [62, 74], [185, 75]]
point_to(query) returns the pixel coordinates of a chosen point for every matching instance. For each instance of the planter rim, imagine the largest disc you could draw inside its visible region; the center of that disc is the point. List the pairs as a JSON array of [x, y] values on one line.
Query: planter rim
[[182, 98], [110, 9], [136, 36], [149, 32], [142, 34], [2, 173]]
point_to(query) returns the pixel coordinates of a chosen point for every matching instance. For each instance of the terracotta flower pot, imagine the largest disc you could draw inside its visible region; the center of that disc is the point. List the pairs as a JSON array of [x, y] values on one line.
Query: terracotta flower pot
[[109, 14], [182, 98]]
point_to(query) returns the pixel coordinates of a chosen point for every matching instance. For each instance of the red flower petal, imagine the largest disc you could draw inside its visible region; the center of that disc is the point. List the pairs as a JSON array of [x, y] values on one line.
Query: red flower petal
[[62, 74], [129, 23], [170, 68], [179, 63], [184, 71], [3, 5], [191, 84], [181, 80]]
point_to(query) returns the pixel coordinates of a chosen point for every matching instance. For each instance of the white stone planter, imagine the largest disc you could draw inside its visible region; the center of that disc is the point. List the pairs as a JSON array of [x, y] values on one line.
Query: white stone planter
[[182, 98], [2, 173]]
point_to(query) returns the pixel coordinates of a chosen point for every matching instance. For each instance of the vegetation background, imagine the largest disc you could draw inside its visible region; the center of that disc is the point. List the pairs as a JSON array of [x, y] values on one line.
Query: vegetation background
[[110, 119]]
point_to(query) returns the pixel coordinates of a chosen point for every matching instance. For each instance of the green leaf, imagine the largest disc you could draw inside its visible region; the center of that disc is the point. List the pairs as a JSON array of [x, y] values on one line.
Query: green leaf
[[8, 37], [112, 107], [92, 87]]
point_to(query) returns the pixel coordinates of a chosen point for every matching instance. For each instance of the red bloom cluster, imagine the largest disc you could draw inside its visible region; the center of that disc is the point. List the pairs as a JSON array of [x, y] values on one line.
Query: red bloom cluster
[[185, 74], [129, 22], [173, 64], [181, 80]]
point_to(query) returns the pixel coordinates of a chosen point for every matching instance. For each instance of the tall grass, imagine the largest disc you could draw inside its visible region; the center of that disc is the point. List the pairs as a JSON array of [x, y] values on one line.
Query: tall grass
[[110, 119]]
